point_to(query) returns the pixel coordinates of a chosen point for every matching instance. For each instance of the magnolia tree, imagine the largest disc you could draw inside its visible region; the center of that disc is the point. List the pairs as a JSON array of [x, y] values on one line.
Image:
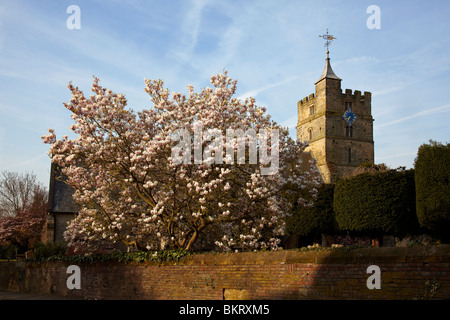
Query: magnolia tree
[[160, 178]]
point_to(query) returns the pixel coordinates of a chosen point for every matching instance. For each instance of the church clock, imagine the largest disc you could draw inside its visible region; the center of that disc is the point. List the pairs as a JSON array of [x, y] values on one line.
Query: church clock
[[350, 117]]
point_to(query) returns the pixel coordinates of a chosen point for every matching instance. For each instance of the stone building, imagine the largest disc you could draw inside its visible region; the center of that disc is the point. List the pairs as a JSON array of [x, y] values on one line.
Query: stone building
[[337, 125], [61, 207]]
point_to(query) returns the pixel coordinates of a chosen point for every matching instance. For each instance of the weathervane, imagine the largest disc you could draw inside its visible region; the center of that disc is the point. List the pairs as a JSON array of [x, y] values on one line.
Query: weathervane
[[328, 38]]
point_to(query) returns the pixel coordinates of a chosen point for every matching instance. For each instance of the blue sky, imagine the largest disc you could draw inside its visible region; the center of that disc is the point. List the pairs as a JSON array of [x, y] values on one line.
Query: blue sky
[[271, 47]]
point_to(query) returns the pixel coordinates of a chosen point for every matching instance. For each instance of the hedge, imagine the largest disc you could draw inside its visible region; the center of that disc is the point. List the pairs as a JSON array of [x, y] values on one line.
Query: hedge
[[381, 202], [8, 251], [316, 219], [432, 167]]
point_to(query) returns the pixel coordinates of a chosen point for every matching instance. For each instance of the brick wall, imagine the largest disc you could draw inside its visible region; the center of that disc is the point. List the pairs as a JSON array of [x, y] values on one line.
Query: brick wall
[[406, 273]]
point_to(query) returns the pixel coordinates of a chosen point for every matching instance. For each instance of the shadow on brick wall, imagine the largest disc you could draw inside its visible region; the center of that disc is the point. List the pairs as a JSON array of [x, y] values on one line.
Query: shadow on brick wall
[[111, 281], [370, 274], [405, 274]]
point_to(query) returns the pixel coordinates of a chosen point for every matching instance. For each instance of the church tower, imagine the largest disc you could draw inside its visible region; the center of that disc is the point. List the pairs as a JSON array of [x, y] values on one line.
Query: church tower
[[337, 125]]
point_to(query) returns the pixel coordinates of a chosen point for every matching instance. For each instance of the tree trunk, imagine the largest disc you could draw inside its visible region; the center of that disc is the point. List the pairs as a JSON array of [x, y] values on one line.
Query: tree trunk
[[191, 241]]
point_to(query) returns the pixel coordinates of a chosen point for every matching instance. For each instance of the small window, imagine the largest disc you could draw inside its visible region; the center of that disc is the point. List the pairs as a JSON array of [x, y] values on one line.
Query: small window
[[349, 155], [311, 110], [348, 104], [349, 131], [310, 134]]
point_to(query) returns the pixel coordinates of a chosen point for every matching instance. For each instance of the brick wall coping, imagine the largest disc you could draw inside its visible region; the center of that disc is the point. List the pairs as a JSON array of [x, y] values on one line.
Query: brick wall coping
[[420, 254], [325, 256]]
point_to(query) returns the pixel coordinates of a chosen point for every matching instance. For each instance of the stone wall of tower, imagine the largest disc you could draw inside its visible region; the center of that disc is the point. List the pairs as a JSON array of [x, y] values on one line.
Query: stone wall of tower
[[347, 150], [337, 151], [312, 126]]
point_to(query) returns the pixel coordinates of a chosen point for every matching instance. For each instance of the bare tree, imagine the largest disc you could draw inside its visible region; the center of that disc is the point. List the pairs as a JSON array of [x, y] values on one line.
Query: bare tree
[[19, 192]]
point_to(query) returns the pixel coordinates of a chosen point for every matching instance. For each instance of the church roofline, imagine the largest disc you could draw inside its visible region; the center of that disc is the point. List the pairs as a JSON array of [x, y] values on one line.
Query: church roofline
[[328, 72]]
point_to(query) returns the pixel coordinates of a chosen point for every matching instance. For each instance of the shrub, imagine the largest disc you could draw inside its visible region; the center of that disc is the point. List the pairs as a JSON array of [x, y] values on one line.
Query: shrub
[[118, 256], [8, 251], [316, 219], [43, 251], [377, 202], [432, 167], [352, 241]]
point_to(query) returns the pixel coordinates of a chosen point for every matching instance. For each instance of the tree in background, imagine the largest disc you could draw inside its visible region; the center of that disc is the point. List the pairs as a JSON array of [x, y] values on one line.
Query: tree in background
[[19, 191], [369, 167], [432, 167], [132, 190], [24, 205]]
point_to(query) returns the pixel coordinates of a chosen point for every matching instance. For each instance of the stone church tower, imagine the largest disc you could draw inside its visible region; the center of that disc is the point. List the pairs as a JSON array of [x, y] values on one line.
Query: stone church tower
[[338, 126]]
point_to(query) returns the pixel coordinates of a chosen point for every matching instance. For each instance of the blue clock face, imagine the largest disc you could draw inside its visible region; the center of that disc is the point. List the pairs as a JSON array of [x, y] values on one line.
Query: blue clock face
[[349, 117]]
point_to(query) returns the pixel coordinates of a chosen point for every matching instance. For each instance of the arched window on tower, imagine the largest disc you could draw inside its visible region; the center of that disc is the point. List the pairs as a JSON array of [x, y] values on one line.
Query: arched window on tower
[[349, 131]]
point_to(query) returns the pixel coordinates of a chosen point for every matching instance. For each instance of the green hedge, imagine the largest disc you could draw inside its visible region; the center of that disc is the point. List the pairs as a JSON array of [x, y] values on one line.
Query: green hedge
[[8, 251], [45, 250], [313, 220], [377, 202], [432, 167]]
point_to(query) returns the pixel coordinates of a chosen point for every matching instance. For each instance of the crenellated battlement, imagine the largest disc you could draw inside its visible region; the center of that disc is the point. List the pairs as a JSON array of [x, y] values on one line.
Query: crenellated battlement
[[348, 93], [307, 99]]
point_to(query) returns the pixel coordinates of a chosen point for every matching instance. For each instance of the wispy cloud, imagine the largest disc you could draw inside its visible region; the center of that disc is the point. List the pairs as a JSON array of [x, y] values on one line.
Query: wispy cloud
[[275, 55], [189, 31], [253, 93], [2, 136], [385, 88], [27, 162], [290, 122], [397, 155], [356, 60], [427, 112]]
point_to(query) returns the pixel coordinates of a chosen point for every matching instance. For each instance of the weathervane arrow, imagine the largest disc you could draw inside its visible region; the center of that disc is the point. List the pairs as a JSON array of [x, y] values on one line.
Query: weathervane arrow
[[328, 39]]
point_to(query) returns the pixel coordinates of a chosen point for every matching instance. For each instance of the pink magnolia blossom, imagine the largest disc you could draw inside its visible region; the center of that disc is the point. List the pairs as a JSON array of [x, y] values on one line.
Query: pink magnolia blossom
[[131, 191]]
